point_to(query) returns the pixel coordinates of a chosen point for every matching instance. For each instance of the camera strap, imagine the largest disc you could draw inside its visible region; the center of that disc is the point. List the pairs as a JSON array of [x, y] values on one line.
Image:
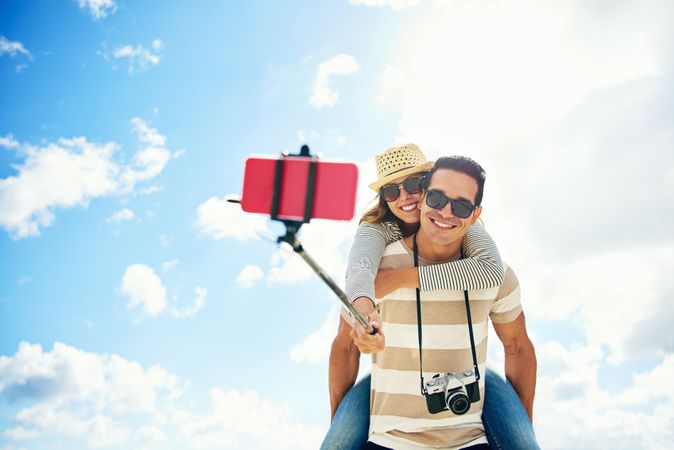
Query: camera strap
[[468, 316]]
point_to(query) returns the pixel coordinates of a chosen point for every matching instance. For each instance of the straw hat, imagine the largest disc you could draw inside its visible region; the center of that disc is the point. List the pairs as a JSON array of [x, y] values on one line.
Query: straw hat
[[399, 162]]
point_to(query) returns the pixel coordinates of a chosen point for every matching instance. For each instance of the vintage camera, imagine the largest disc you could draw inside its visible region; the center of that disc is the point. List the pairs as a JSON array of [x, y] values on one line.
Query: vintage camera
[[452, 391]]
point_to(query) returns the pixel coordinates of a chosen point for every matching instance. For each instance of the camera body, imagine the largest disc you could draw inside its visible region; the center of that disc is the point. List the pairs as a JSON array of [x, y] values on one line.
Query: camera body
[[452, 391]]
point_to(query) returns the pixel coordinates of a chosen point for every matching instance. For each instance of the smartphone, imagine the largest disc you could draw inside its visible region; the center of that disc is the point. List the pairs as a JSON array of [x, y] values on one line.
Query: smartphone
[[334, 190]]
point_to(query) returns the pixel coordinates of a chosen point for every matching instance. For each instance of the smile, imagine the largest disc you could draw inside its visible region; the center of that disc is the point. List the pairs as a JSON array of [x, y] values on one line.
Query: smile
[[442, 225], [409, 208]]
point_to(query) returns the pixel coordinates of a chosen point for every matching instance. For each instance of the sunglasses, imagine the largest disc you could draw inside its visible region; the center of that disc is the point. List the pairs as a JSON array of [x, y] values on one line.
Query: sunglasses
[[412, 185], [460, 207]]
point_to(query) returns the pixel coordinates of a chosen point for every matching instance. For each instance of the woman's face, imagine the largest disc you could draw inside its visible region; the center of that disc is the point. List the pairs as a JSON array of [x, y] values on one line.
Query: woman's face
[[405, 207]]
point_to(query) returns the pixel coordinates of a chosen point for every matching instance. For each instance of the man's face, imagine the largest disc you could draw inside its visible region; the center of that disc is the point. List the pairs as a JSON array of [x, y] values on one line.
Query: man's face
[[441, 226]]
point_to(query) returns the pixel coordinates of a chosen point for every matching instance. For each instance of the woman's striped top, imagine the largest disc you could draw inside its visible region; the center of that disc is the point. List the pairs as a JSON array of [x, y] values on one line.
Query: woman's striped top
[[482, 267]]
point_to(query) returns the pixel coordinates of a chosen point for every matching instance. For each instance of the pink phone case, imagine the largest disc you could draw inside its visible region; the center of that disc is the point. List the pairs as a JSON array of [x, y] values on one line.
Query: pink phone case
[[334, 192]]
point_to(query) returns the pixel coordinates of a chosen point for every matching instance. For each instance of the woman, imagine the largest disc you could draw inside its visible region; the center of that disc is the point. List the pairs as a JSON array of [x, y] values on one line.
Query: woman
[[399, 184]]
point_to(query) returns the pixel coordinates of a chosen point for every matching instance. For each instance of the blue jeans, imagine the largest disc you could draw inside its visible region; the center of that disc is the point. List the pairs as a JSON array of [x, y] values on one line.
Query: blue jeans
[[505, 421]]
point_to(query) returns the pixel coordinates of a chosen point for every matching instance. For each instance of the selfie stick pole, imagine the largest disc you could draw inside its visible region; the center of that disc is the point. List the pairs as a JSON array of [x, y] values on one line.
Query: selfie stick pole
[[293, 227]]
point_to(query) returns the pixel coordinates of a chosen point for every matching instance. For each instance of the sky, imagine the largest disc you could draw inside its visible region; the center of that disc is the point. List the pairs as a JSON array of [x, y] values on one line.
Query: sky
[[140, 310]]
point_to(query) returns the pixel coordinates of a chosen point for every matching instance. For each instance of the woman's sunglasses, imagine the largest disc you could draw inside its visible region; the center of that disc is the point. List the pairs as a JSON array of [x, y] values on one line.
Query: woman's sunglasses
[[412, 185], [460, 207]]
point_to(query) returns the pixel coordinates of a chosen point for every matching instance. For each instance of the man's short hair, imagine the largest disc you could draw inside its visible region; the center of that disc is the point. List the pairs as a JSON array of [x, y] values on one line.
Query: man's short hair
[[461, 164]]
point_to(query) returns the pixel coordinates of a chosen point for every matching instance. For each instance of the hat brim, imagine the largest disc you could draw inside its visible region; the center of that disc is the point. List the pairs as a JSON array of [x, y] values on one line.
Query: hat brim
[[425, 167]]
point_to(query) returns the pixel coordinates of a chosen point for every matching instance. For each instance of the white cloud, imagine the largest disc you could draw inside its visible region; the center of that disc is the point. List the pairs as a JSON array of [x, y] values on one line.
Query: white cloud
[[147, 291], [137, 57], [248, 276], [249, 420], [9, 142], [72, 172], [12, 48], [151, 436], [390, 85], [68, 392], [98, 9], [151, 157], [150, 190], [165, 239], [144, 289], [65, 174], [587, 414], [121, 216], [617, 278], [103, 400], [315, 348], [168, 265], [396, 5], [198, 303], [219, 219], [321, 93], [457, 91]]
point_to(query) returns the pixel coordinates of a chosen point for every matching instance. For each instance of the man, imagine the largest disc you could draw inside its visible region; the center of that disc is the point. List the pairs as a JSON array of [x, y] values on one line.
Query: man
[[399, 415]]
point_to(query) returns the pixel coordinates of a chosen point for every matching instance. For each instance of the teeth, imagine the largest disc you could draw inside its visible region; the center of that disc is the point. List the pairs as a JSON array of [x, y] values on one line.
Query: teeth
[[442, 224], [409, 208]]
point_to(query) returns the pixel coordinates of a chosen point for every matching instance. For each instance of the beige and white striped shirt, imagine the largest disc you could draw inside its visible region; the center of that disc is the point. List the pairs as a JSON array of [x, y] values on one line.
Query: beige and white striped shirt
[[399, 417]]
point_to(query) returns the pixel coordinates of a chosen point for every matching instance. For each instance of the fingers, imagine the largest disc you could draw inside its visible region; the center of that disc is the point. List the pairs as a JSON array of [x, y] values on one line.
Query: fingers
[[369, 343]]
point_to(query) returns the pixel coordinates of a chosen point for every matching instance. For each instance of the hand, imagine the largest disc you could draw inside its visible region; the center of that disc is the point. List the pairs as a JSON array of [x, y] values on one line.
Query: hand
[[388, 280], [369, 343]]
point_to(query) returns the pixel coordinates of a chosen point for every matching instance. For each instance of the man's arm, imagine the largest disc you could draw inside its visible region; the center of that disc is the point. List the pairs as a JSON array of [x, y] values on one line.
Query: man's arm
[[520, 360], [343, 369], [345, 357]]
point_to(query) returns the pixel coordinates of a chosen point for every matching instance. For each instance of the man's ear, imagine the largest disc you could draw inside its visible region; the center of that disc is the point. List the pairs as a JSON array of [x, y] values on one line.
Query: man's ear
[[476, 215]]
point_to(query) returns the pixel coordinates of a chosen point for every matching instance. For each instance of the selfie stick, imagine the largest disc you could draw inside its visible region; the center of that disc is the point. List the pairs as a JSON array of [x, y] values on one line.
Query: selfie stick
[[293, 227]]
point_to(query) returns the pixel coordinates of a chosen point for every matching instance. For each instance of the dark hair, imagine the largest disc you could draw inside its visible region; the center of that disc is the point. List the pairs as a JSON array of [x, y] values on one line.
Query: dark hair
[[461, 164]]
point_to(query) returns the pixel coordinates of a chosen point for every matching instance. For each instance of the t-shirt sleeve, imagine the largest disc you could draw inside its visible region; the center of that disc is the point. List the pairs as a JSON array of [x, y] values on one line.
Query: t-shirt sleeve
[[507, 306], [481, 268]]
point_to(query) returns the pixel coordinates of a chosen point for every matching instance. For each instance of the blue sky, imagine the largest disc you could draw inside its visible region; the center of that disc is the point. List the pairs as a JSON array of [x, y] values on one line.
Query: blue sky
[[139, 310]]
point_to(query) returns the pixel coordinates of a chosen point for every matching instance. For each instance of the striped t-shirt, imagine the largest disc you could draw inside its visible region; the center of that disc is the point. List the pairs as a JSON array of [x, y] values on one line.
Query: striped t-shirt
[[399, 417]]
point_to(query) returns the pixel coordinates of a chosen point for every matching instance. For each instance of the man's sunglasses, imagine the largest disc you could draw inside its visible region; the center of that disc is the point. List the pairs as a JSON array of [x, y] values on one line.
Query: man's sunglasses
[[460, 207], [412, 185]]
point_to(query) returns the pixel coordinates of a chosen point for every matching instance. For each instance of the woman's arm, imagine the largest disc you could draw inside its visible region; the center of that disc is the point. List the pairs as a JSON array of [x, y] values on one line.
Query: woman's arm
[[481, 268], [366, 252]]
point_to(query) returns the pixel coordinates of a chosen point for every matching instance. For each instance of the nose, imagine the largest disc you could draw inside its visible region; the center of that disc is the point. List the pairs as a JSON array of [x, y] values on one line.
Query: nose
[[404, 195], [446, 211]]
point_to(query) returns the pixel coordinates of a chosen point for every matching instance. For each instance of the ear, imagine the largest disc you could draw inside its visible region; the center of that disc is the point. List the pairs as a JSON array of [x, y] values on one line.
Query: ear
[[476, 215]]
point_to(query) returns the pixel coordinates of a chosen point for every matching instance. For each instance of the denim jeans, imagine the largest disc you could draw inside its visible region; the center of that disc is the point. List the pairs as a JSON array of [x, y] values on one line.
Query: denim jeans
[[505, 421]]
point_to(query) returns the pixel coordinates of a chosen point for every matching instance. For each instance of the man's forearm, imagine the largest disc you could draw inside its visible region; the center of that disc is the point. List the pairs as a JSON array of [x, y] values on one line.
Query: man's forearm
[[343, 368], [520, 370]]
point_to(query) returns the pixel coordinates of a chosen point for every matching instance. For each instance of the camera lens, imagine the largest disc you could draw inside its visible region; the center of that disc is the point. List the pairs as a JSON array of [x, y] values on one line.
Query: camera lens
[[458, 403]]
